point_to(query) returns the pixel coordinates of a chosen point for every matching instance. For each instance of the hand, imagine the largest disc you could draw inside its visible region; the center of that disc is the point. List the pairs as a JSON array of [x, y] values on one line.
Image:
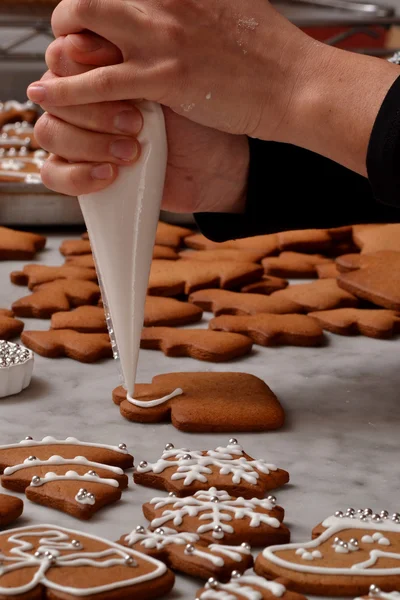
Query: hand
[[207, 169], [232, 65]]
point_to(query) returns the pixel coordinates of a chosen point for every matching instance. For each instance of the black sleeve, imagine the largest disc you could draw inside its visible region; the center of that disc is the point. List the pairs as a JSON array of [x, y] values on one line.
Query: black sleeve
[[292, 188]]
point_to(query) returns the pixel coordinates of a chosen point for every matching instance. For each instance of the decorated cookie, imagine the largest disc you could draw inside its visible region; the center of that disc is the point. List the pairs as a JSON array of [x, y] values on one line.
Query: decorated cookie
[[75, 247], [83, 347], [313, 240], [267, 244], [59, 295], [169, 278], [13, 111], [69, 448], [184, 471], [267, 285], [48, 561], [19, 476], [237, 255], [201, 344], [350, 550], [19, 245], [16, 367], [198, 402], [11, 509], [327, 271], [19, 165], [171, 235], [294, 264], [377, 323], [218, 517], [375, 593], [18, 134], [375, 239], [35, 275], [272, 330], [246, 587], [184, 552], [9, 326]]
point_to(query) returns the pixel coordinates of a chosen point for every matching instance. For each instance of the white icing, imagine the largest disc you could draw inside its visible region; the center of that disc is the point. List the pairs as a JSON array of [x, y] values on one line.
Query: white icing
[[377, 537], [23, 127], [384, 596], [122, 222], [54, 539], [15, 105], [85, 499], [233, 552], [14, 141], [308, 555], [218, 561], [59, 460], [73, 476], [69, 441], [152, 539], [20, 175], [218, 514], [228, 461], [241, 586], [157, 402], [335, 525]]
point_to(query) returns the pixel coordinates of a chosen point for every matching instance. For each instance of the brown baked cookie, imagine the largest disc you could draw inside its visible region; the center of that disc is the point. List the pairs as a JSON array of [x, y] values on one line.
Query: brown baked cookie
[[19, 245], [272, 330], [12, 111], [171, 235], [170, 312], [184, 552], [327, 271], [375, 593], [377, 323], [377, 280], [34, 275], [198, 402], [348, 552], [164, 253], [48, 561], [323, 294], [168, 278], [9, 326], [267, 244], [201, 344], [267, 285], [294, 264], [84, 319], [11, 509], [18, 135], [237, 255], [246, 587], [218, 517], [85, 261], [56, 296], [313, 240], [69, 448], [225, 302], [375, 239], [352, 262], [75, 247], [184, 472], [83, 347]]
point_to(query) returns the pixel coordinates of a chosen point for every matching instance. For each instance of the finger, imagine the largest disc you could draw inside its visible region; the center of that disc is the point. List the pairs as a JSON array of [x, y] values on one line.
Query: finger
[[78, 145], [76, 179]]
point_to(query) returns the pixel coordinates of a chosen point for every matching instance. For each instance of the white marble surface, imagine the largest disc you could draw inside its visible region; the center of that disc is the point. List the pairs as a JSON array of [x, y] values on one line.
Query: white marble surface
[[340, 443]]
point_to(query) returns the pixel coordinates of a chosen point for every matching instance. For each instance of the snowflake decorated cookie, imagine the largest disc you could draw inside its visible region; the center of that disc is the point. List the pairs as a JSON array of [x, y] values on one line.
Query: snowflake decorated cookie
[[47, 561], [184, 471], [349, 552], [246, 587], [186, 553], [218, 517]]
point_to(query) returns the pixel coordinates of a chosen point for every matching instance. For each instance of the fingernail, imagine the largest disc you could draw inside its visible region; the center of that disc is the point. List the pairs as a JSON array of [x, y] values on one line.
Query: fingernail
[[84, 43], [36, 93], [102, 172], [124, 149], [128, 121]]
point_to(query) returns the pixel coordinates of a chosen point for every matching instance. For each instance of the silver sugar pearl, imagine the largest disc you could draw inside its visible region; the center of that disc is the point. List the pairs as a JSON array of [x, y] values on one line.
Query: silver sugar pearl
[[122, 446], [189, 549], [246, 546], [350, 511], [374, 590], [353, 542], [169, 446], [212, 583], [129, 560], [368, 511], [186, 457], [143, 464], [343, 544], [233, 442], [159, 531], [38, 554], [236, 574], [28, 437], [32, 457], [272, 499], [48, 554], [377, 518], [217, 529], [396, 516], [140, 529], [339, 514], [214, 499], [384, 514], [92, 473], [91, 497], [35, 480], [172, 495], [364, 518], [76, 544], [336, 540]]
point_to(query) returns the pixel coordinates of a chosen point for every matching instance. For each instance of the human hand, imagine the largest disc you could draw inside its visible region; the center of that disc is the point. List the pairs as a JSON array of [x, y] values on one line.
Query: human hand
[[206, 171]]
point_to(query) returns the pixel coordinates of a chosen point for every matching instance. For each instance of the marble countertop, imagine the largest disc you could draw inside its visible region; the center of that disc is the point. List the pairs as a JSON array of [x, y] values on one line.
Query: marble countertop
[[340, 442]]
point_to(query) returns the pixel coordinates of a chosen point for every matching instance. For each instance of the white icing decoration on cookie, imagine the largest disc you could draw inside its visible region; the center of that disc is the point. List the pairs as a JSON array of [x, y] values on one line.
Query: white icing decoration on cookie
[[59, 460], [218, 561], [19, 127], [69, 441], [157, 402], [21, 175], [53, 539], [335, 525], [376, 538], [15, 105], [233, 552], [152, 539], [229, 460], [85, 499], [383, 595], [218, 513], [241, 587], [308, 555], [73, 476]]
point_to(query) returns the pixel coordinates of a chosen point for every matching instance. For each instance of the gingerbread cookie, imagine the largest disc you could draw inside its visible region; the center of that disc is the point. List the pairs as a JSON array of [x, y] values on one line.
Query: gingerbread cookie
[[170, 312], [83, 347], [84, 319], [323, 294], [17, 135], [350, 550], [246, 587], [11, 509], [226, 302], [272, 330], [375, 593], [184, 471], [197, 402], [352, 262], [12, 111], [69, 448], [35, 275], [237, 255], [56, 296], [9, 326], [313, 240], [85, 261], [218, 517], [377, 323], [164, 253], [19, 245], [375, 239], [20, 165], [75, 247], [266, 244], [48, 561], [169, 278], [294, 264], [201, 344], [184, 552], [171, 235], [267, 285], [327, 271]]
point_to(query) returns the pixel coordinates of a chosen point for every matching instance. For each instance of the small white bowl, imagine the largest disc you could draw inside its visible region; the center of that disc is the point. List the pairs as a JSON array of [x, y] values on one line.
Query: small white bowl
[[16, 367]]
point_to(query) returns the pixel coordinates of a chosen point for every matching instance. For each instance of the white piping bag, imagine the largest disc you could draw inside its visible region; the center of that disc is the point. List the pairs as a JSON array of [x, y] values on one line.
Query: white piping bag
[[122, 222]]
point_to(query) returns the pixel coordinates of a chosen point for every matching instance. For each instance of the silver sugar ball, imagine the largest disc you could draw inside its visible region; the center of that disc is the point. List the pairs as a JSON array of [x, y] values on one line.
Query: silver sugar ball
[[236, 574], [83, 492], [169, 446], [189, 549], [140, 529], [48, 554], [396, 516], [246, 546], [143, 464], [122, 446], [91, 497], [159, 531], [374, 589], [212, 583], [363, 518], [336, 540], [339, 514], [172, 495], [233, 442], [343, 544], [35, 480], [350, 511], [37, 554], [368, 511], [28, 437], [218, 529], [214, 499], [128, 560], [75, 544], [353, 542], [32, 457], [272, 499], [92, 473], [377, 518], [384, 514], [186, 457]]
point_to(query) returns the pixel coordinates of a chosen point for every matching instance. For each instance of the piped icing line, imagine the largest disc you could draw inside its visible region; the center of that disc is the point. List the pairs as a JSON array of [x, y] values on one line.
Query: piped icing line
[[22, 126], [69, 441], [335, 525], [191, 550], [158, 540], [72, 476], [84, 497], [53, 540], [15, 105], [22, 175], [14, 141], [235, 553], [157, 402], [59, 460], [241, 587]]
